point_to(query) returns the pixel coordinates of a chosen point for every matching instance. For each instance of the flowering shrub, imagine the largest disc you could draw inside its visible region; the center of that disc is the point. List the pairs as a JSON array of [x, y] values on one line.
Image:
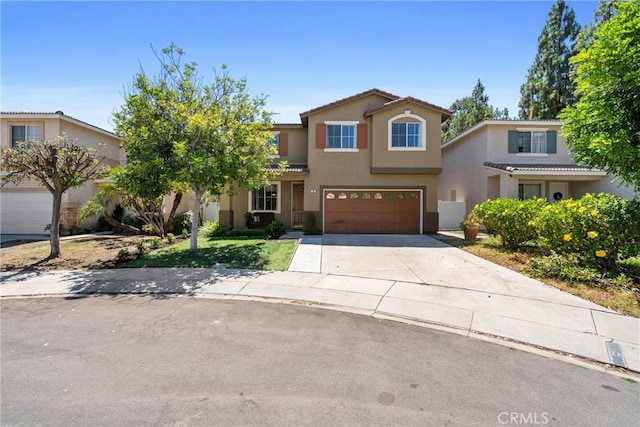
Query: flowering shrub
[[510, 219], [599, 229]]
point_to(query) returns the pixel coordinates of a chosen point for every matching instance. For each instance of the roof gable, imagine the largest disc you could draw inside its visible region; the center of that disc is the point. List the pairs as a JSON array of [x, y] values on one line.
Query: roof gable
[[374, 91], [445, 114], [55, 115]]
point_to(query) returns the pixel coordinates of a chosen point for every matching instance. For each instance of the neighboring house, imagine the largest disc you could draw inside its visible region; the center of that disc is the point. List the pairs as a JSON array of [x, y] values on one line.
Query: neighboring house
[[517, 159], [368, 163], [26, 208]]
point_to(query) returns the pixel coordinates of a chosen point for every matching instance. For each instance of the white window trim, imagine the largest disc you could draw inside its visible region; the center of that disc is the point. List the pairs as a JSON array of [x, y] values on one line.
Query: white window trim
[[423, 132], [25, 125], [541, 183], [355, 136], [278, 200], [545, 142], [276, 156]]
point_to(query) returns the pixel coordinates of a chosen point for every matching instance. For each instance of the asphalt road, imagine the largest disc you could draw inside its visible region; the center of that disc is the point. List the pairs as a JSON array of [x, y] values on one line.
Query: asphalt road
[[184, 361]]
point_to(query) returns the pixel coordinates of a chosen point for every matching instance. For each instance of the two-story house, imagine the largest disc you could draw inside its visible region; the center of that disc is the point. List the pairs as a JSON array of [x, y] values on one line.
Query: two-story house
[[517, 159], [26, 208], [368, 163]]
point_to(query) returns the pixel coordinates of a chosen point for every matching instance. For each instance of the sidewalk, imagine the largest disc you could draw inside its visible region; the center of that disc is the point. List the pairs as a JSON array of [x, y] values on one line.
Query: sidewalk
[[582, 328]]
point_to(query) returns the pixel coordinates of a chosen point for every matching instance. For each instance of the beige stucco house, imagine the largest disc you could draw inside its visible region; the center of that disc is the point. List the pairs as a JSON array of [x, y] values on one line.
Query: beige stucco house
[[368, 163], [517, 159], [26, 208]]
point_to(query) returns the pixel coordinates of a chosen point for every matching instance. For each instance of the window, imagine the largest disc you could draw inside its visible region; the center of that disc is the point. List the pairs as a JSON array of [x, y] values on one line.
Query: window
[[529, 191], [265, 199], [341, 136], [532, 142], [275, 142], [405, 134], [24, 133]]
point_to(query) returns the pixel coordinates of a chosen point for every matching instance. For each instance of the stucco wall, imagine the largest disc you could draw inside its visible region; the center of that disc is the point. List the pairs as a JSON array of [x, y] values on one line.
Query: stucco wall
[[498, 146]]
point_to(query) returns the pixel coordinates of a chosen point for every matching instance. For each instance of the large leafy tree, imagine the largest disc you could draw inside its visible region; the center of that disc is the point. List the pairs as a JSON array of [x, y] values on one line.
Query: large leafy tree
[[603, 127], [179, 131], [468, 111], [57, 165], [548, 88]]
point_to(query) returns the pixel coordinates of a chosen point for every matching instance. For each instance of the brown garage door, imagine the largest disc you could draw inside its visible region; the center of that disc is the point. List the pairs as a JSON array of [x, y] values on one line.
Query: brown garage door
[[378, 211]]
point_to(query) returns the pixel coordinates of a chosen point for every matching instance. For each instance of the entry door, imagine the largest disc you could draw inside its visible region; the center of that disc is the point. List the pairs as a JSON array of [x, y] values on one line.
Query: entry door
[[297, 204], [558, 191]]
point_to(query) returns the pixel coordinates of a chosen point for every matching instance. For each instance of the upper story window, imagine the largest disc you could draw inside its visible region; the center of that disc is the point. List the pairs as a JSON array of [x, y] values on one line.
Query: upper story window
[[406, 132], [274, 142], [532, 142], [25, 133], [342, 136]]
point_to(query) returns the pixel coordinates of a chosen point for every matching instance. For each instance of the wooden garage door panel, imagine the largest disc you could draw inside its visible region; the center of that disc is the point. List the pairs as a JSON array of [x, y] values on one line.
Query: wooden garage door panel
[[392, 211]]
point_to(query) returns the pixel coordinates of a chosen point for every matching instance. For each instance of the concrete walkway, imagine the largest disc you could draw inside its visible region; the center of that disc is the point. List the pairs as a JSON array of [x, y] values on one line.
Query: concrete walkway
[[409, 277]]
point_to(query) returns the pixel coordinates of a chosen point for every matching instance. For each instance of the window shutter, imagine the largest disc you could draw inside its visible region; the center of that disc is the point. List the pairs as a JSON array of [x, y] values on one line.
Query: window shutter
[[552, 141], [321, 135], [283, 144], [362, 135], [513, 141]]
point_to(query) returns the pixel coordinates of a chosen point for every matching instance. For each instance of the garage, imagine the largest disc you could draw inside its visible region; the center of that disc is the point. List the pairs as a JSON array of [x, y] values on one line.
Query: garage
[[25, 212], [396, 211]]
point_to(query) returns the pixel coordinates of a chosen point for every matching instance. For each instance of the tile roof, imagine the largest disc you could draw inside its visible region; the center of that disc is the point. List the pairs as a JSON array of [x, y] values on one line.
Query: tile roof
[[287, 125], [296, 169], [59, 114], [445, 113], [541, 167], [372, 91]]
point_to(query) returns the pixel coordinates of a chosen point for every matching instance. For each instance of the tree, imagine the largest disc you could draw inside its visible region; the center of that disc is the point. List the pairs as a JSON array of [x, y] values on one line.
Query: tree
[[603, 127], [468, 111], [548, 88], [603, 13], [58, 166], [185, 132]]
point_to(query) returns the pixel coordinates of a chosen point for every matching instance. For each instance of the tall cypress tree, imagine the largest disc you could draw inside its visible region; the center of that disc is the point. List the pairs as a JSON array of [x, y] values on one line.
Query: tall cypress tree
[[548, 88], [470, 110]]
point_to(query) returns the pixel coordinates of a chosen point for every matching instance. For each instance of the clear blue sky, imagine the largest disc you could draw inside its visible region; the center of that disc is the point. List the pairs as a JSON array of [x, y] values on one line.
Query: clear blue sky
[[76, 56]]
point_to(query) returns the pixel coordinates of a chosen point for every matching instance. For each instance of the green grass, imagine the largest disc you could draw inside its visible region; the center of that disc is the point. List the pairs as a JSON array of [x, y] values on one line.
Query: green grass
[[236, 253]]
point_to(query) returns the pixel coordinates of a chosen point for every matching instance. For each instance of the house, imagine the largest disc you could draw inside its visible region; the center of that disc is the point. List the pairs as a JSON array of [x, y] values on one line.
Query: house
[[26, 208], [517, 159], [368, 163]]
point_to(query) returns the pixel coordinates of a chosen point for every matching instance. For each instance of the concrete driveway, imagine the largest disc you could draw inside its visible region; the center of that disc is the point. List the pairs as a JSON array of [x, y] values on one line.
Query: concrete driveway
[[423, 259]]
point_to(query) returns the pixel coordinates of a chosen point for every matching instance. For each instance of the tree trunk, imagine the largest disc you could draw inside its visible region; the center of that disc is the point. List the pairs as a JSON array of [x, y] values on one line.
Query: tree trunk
[[55, 224], [176, 202], [111, 220], [195, 220]]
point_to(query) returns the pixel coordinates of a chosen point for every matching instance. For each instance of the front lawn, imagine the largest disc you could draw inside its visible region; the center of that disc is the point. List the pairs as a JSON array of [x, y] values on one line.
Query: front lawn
[[624, 299], [235, 253]]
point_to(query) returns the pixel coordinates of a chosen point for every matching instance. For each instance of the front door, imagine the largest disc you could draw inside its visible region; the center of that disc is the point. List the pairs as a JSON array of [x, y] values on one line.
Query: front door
[[558, 191], [297, 204]]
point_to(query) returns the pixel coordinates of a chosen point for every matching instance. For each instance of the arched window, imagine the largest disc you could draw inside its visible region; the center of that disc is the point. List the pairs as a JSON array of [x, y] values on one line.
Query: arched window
[[407, 132]]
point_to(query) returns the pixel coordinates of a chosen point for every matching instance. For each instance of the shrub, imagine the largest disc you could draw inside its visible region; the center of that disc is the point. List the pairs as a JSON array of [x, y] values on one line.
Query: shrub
[[276, 229], [600, 230], [244, 232], [561, 267], [213, 229], [182, 222], [510, 219], [141, 247], [132, 220], [170, 237], [155, 243], [123, 254], [148, 229]]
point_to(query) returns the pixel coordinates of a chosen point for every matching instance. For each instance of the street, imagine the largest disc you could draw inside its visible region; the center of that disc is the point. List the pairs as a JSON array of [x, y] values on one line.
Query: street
[[140, 360]]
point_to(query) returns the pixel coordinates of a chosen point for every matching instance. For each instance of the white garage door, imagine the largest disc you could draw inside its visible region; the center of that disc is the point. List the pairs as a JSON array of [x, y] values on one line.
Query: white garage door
[[25, 212]]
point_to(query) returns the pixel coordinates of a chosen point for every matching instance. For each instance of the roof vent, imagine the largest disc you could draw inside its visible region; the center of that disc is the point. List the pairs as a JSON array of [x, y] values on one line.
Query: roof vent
[[60, 112]]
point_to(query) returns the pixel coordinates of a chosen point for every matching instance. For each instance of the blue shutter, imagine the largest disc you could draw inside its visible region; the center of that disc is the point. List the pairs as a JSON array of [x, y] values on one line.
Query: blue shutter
[[552, 141], [513, 141]]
